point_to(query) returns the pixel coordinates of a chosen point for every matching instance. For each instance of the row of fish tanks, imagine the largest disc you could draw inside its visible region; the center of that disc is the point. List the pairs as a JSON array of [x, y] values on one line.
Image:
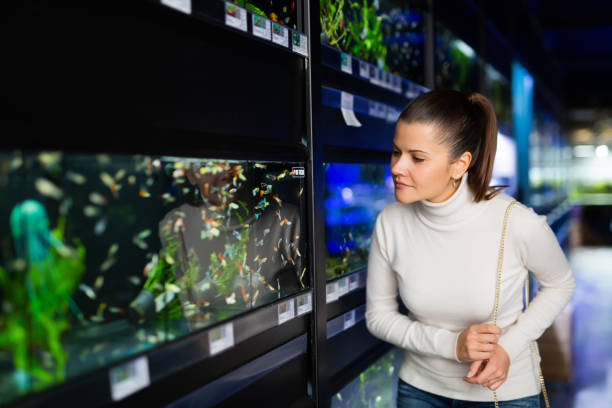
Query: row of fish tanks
[[105, 256]]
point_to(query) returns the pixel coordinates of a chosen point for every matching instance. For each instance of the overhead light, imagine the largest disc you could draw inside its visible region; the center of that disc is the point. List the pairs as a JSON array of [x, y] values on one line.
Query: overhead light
[[602, 151], [584, 151]]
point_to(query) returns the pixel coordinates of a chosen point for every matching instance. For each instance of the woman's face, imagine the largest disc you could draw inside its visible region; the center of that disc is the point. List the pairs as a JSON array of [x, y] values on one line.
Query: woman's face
[[420, 166]]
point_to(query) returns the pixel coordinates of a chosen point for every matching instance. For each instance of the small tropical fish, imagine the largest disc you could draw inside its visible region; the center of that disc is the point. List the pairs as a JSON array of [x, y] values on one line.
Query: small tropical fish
[[115, 309], [178, 173], [99, 282], [96, 318], [65, 206], [245, 296], [277, 212], [270, 287], [172, 288], [16, 163], [106, 265], [231, 299], [254, 191], [76, 178], [168, 198], [143, 192], [119, 175], [266, 231], [97, 198], [260, 166], [135, 280], [49, 159], [278, 200], [150, 181], [179, 165], [297, 251], [110, 182], [301, 191], [132, 180], [255, 296], [285, 221], [302, 274], [91, 211], [179, 225], [157, 164], [104, 159], [100, 226], [233, 206], [144, 234], [283, 174], [47, 188], [169, 259], [149, 266], [87, 290]]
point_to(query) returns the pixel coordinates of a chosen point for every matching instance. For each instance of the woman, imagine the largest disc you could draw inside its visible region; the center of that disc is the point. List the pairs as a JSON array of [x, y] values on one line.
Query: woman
[[438, 245]]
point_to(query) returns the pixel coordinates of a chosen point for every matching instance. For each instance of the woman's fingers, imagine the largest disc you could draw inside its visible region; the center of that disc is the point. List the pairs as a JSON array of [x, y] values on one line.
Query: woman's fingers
[[496, 385]]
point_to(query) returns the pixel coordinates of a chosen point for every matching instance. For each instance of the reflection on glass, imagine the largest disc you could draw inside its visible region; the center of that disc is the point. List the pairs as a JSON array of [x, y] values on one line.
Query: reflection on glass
[[386, 33], [355, 194], [374, 387], [456, 63], [105, 256], [497, 90]]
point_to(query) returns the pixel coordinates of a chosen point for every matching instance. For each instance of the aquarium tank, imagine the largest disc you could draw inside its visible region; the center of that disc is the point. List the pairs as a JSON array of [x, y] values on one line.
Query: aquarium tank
[[354, 195], [387, 33], [456, 63], [497, 90], [103, 256], [374, 387], [279, 11]]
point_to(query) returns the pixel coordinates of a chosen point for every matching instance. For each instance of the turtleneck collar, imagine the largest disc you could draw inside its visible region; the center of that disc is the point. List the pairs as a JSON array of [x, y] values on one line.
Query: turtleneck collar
[[452, 213]]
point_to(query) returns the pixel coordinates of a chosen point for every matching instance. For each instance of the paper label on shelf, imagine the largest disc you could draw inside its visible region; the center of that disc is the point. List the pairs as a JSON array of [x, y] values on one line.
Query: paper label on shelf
[[343, 287], [349, 319], [347, 103], [128, 378], [374, 72], [364, 69], [280, 34], [286, 311], [180, 5], [235, 17], [304, 304], [221, 338], [299, 43], [397, 84], [332, 292], [346, 63], [262, 27], [353, 282]]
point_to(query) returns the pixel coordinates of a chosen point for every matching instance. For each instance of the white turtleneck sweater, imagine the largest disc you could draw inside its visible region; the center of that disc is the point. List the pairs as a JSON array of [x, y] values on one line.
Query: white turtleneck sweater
[[442, 257]]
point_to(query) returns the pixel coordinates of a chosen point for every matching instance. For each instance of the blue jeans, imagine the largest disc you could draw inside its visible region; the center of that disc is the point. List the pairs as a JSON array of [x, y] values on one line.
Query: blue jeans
[[412, 397]]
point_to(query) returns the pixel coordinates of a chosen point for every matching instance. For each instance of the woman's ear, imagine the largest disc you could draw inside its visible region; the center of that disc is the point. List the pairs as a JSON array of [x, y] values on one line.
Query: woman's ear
[[463, 163]]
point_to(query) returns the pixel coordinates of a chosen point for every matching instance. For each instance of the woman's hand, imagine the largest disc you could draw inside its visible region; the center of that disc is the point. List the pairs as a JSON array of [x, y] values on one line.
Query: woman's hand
[[491, 373], [477, 342]]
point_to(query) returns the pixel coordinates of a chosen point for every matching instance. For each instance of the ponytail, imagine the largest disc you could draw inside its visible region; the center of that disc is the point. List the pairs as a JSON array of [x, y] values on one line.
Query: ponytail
[[465, 123], [481, 167]]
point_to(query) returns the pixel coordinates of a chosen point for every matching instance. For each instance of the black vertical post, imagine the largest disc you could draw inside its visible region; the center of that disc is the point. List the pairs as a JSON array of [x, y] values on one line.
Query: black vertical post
[[430, 46], [316, 192]]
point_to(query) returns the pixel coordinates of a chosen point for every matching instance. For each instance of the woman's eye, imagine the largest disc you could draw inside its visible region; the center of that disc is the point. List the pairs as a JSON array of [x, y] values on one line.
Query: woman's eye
[[418, 159], [396, 152]]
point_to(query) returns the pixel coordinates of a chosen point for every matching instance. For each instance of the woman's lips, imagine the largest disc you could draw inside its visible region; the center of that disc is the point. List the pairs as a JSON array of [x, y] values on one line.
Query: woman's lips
[[401, 185]]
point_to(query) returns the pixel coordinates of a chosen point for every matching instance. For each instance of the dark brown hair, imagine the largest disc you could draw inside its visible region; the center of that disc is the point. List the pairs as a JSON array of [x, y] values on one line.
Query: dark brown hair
[[465, 122]]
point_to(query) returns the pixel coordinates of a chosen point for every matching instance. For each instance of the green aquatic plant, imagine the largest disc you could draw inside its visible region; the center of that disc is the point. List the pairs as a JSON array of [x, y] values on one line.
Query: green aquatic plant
[[249, 6], [366, 37], [36, 291], [333, 27]]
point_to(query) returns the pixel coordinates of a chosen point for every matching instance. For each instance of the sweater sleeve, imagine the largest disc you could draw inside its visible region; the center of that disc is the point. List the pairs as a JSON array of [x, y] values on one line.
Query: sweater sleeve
[[383, 319], [541, 254]]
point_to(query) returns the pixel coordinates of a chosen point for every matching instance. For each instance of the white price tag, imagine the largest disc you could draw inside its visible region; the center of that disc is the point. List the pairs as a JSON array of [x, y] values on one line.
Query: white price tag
[[346, 106], [235, 16], [332, 292], [353, 282], [343, 287], [299, 43], [349, 319], [377, 110], [221, 338], [286, 311], [364, 69], [128, 378], [180, 5], [304, 304], [346, 63], [262, 27], [347, 100], [280, 34]]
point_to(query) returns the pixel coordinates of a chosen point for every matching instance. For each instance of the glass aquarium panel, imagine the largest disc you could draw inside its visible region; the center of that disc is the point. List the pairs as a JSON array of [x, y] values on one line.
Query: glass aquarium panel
[[354, 195], [497, 90], [386, 33], [375, 387], [105, 256], [279, 11], [456, 63]]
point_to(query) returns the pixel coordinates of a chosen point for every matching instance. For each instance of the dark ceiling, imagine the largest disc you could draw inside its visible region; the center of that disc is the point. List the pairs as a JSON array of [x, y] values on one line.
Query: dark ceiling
[[567, 43]]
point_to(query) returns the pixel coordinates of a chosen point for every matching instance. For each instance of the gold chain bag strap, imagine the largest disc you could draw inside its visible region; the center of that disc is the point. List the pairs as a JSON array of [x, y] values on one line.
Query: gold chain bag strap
[[499, 270]]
